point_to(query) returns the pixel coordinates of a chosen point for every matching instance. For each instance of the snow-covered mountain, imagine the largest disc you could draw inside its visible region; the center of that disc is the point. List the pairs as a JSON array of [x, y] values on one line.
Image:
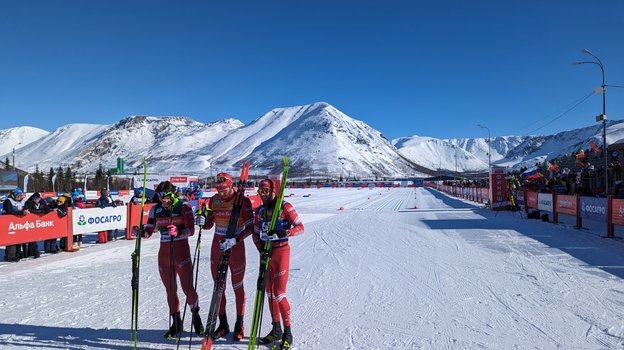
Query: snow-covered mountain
[[320, 141], [461, 155], [160, 140], [471, 155], [17, 138]]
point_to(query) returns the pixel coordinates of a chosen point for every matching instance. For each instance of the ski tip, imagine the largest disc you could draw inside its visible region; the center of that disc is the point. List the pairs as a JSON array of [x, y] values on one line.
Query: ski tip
[[206, 343]]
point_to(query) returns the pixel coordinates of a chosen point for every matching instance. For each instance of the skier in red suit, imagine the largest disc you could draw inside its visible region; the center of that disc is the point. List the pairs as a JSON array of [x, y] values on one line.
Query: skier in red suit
[[175, 222], [288, 225], [221, 208]]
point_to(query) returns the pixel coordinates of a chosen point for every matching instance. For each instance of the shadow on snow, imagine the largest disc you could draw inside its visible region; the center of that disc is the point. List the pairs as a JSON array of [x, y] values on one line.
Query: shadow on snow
[[595, 251]]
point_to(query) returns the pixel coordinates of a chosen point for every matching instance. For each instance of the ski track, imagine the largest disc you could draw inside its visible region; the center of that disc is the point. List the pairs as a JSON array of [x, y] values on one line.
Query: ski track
[[375, 269]]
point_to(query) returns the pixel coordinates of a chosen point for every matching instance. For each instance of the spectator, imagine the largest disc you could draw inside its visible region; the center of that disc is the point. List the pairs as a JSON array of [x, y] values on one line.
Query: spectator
[[35, 205], [104, 201], [14, 205], [49, 245], [78, 204], [62, 203]]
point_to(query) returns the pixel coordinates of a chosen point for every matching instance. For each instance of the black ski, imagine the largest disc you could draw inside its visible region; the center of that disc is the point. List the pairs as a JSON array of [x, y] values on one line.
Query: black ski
[[224, 259]]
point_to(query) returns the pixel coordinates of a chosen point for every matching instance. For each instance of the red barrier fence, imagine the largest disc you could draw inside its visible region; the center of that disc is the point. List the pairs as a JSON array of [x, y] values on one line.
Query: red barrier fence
[[562, 204], [15, 229]]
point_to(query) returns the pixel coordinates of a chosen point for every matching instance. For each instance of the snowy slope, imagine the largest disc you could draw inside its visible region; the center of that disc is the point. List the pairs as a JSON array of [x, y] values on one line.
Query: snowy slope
[[317, 137], [338, 144], [60, 147], [396, 269], [439, 154], [18, 137], [159, 139]]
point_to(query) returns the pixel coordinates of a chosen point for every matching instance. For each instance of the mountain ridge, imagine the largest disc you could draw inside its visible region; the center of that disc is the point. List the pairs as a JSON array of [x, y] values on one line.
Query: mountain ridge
[[319, 139]]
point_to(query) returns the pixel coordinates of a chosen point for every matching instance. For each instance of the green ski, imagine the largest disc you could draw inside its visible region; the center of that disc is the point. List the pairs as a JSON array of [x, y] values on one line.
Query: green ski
[[265, 258]]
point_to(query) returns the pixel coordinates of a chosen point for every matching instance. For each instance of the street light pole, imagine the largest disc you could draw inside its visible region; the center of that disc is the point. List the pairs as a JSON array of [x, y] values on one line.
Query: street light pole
[[489, 145], [603, 116], [455, 162]]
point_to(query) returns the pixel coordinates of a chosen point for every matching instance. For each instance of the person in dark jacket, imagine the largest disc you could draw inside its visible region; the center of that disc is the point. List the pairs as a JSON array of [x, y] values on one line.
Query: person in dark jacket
[[104, 201], [63, 202], [14, 205], [35, 205]]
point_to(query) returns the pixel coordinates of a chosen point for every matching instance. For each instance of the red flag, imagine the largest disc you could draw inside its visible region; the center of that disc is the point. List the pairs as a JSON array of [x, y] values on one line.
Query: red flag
[[593, 146]]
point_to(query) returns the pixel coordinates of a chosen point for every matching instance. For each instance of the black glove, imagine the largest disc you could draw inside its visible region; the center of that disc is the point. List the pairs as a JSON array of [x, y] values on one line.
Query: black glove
[[280, 232]]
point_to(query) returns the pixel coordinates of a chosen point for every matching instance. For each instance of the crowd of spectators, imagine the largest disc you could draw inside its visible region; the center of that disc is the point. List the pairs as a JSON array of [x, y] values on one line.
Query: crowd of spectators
[[581, 172], [17, 204]]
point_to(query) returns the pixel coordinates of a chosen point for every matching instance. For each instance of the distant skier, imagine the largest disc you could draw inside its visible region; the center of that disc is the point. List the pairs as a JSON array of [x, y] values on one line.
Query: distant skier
[[221, 205], [175, 222], [288, 224]]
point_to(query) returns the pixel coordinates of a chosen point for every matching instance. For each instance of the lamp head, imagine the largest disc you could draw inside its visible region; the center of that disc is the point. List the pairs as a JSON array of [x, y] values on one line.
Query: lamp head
[[585, 51]]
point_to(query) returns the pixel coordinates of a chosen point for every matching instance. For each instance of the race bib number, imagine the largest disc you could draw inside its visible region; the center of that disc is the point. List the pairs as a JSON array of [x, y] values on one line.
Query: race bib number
[[264, 230]]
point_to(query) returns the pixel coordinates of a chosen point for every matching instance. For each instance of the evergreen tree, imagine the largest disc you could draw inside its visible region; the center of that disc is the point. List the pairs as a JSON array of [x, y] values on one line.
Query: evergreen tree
[[60, 179], [99, 177], [51, 174], [41, 179], [37, 183], [7, 166], [108, 176], [69, 179]]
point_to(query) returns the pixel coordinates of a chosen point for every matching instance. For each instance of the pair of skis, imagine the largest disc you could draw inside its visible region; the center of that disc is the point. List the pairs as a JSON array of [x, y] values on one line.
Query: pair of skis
[[224, 260], [265, 259], [136, 262]]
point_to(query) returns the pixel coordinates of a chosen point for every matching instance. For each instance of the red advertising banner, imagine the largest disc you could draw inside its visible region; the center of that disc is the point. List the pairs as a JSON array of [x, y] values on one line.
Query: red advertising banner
[[134, 213], [498, 188], [16, 229], [617, 211], [566, 204], [256, 201], [175, 179], [531, 199]]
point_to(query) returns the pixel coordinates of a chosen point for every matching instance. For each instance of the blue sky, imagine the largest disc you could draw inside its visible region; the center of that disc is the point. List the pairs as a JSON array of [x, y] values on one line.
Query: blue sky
[[404, 67]]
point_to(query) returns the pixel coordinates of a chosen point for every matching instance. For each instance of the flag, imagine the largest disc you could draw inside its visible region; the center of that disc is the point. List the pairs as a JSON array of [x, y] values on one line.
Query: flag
[[26, 183], [580, 155], [546, 164], [593, 146], [531, 173]]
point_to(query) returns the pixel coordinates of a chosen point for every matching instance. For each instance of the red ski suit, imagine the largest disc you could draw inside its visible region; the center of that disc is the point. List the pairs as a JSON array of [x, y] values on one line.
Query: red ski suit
[[180, 215], [279, 266], [222, 209]]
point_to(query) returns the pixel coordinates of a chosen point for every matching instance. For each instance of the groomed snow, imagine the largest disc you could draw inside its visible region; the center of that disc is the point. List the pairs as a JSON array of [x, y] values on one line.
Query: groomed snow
[[396, 269]]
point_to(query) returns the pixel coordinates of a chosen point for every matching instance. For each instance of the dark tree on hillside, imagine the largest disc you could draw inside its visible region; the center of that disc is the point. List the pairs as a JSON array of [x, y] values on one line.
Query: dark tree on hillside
[[50, 177], [100, 179], [7, 166], [60, 180], [70, 179]]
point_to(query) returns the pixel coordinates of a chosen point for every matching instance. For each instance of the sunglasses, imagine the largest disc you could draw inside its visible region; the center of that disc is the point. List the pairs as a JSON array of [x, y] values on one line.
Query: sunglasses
[[163, 194], [264, 190], [221, 179]]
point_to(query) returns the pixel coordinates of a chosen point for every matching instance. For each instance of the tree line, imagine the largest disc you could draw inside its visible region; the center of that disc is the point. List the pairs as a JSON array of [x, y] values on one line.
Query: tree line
[[66, 180]]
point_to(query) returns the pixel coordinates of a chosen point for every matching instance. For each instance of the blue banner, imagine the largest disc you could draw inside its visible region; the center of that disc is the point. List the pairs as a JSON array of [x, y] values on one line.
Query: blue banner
[[593, 208]]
